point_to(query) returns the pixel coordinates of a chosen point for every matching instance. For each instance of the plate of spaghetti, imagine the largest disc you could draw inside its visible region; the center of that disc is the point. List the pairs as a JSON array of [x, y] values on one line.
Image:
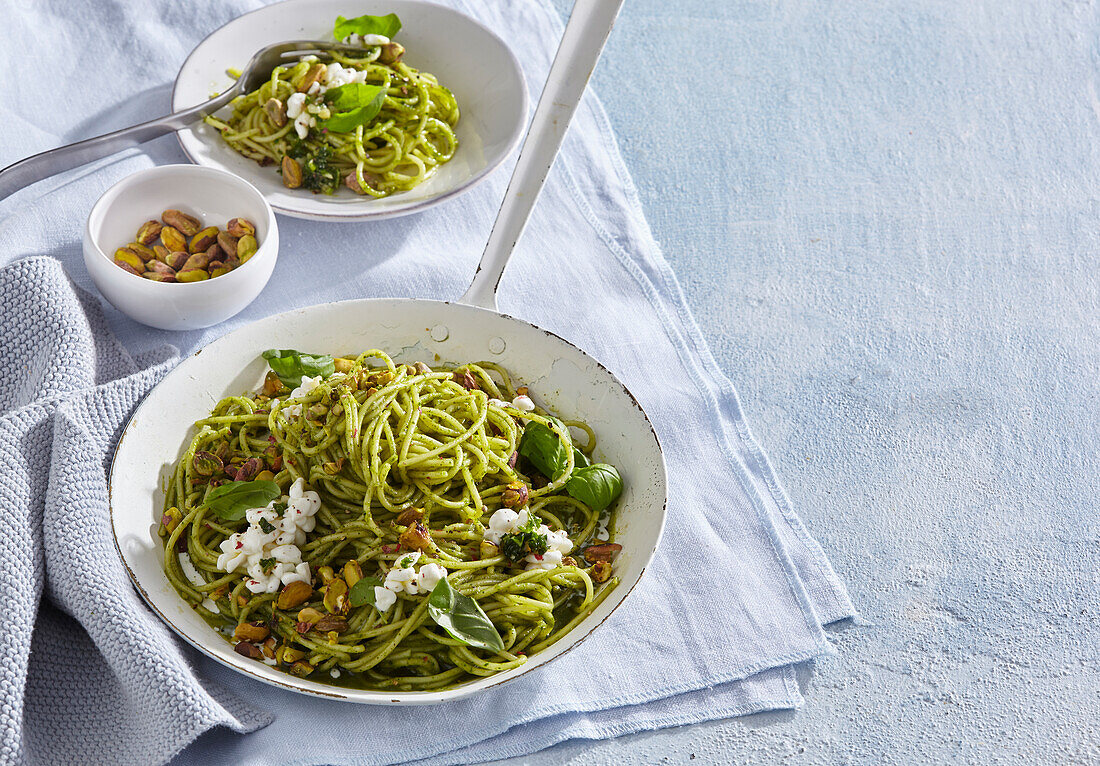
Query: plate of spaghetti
[[385, 508], [421, 104]]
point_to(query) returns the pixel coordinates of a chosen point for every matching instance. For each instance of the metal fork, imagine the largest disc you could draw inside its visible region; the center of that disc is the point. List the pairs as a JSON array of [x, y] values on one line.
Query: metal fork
[[39, 166]]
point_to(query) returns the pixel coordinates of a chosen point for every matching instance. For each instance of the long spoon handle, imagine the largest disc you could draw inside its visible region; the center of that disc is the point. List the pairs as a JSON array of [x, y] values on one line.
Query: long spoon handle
[[589, 25], [45, 164]]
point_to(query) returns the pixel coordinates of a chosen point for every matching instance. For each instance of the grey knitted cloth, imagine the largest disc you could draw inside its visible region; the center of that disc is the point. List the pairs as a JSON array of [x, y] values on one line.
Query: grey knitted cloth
[[80, 652]]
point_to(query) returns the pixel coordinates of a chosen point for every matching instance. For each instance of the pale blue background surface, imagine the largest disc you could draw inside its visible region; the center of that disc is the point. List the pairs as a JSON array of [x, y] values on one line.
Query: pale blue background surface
[[885, 216]]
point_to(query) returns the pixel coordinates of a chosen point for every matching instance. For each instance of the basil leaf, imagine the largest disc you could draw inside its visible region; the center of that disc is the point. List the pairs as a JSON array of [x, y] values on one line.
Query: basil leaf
[[462, 618], [363, 591], [387, 26], [352, 105], [291, 365], [232, 499], [580, 460], [597, 486], [544, 449]]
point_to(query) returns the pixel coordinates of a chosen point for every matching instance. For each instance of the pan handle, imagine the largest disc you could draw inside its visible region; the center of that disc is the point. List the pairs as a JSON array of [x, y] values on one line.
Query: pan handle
[[589, 25]]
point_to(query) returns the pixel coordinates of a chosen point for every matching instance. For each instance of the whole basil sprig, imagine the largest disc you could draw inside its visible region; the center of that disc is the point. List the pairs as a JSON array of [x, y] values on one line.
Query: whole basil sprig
[[291, 365], [231, 500], [462, 618]]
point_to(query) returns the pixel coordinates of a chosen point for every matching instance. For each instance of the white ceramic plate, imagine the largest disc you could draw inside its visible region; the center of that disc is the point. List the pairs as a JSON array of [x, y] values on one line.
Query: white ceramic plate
[[560, 376], [469, 59]]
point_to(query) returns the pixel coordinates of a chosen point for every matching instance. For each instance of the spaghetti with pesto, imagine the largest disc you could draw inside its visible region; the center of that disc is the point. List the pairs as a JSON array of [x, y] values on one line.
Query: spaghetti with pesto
[[381, 525], [365, 119]]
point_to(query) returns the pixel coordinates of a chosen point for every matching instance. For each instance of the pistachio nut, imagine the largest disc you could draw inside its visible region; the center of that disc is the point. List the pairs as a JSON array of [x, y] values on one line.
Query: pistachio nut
[[246, 247], [312, 75], [188, 225], [410, 515], [391, 53], [248, 469], [206, 463], [268, 647], [161, 252], [421, 368], [489, 550], [215, 253], [240, 227], [301, 668], [173, 239], [159, 267], [202, 241], [215, 264], [196, 261], [326, 574], [310, 615], [294, 595], [288, 654], [129, 268], [170, 520], [343, 365], [148, 232], [220, 271], [466, 379], [192, 275], [248, 650], [177, 260], [144, 253], [228, 243], [569, 561], [601, 571], [416, 537], [292, 172], [353, 573], [129, 257], [265, 476], [272, 384], [153, 276], [275, 111], [318, 411], [334, 467], [515, 495], [331, 622], [252, 631], [603, 552], [370, 179], [336, 596]]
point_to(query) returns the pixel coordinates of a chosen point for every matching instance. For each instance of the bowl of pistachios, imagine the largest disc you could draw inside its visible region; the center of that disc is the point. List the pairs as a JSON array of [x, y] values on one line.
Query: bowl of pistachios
[[181, 247]]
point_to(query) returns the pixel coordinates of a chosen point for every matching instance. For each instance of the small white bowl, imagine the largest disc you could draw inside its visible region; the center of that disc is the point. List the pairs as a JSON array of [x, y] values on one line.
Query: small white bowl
[[214, 197]]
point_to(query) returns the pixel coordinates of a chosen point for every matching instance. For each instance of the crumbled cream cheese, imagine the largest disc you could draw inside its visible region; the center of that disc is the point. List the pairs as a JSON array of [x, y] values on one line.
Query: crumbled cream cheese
[[523, 403], [404, 578], [304, 388], [507, 522], [287, 531]]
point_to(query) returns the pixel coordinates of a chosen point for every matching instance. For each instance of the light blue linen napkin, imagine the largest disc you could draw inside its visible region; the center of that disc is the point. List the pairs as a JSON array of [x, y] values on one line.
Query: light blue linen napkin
[[738, 592]]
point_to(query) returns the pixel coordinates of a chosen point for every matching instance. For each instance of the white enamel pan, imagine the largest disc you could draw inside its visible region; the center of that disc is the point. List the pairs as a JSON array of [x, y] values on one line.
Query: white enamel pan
[[560, 375]]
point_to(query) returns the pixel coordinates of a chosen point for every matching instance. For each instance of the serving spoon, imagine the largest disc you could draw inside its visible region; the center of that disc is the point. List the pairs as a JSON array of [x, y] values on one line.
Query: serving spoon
[[565, 377], [258, 71]]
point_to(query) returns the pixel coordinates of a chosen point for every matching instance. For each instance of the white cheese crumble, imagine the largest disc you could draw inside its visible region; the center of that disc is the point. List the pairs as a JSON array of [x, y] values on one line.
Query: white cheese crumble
[[522, 403], [304, 388], [404, 578], [374, 39], [507, 522], [287, 531]]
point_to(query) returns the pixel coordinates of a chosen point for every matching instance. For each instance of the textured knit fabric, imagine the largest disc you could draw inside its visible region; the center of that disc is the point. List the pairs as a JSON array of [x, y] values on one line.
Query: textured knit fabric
[[738, 592], [93, 665]]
